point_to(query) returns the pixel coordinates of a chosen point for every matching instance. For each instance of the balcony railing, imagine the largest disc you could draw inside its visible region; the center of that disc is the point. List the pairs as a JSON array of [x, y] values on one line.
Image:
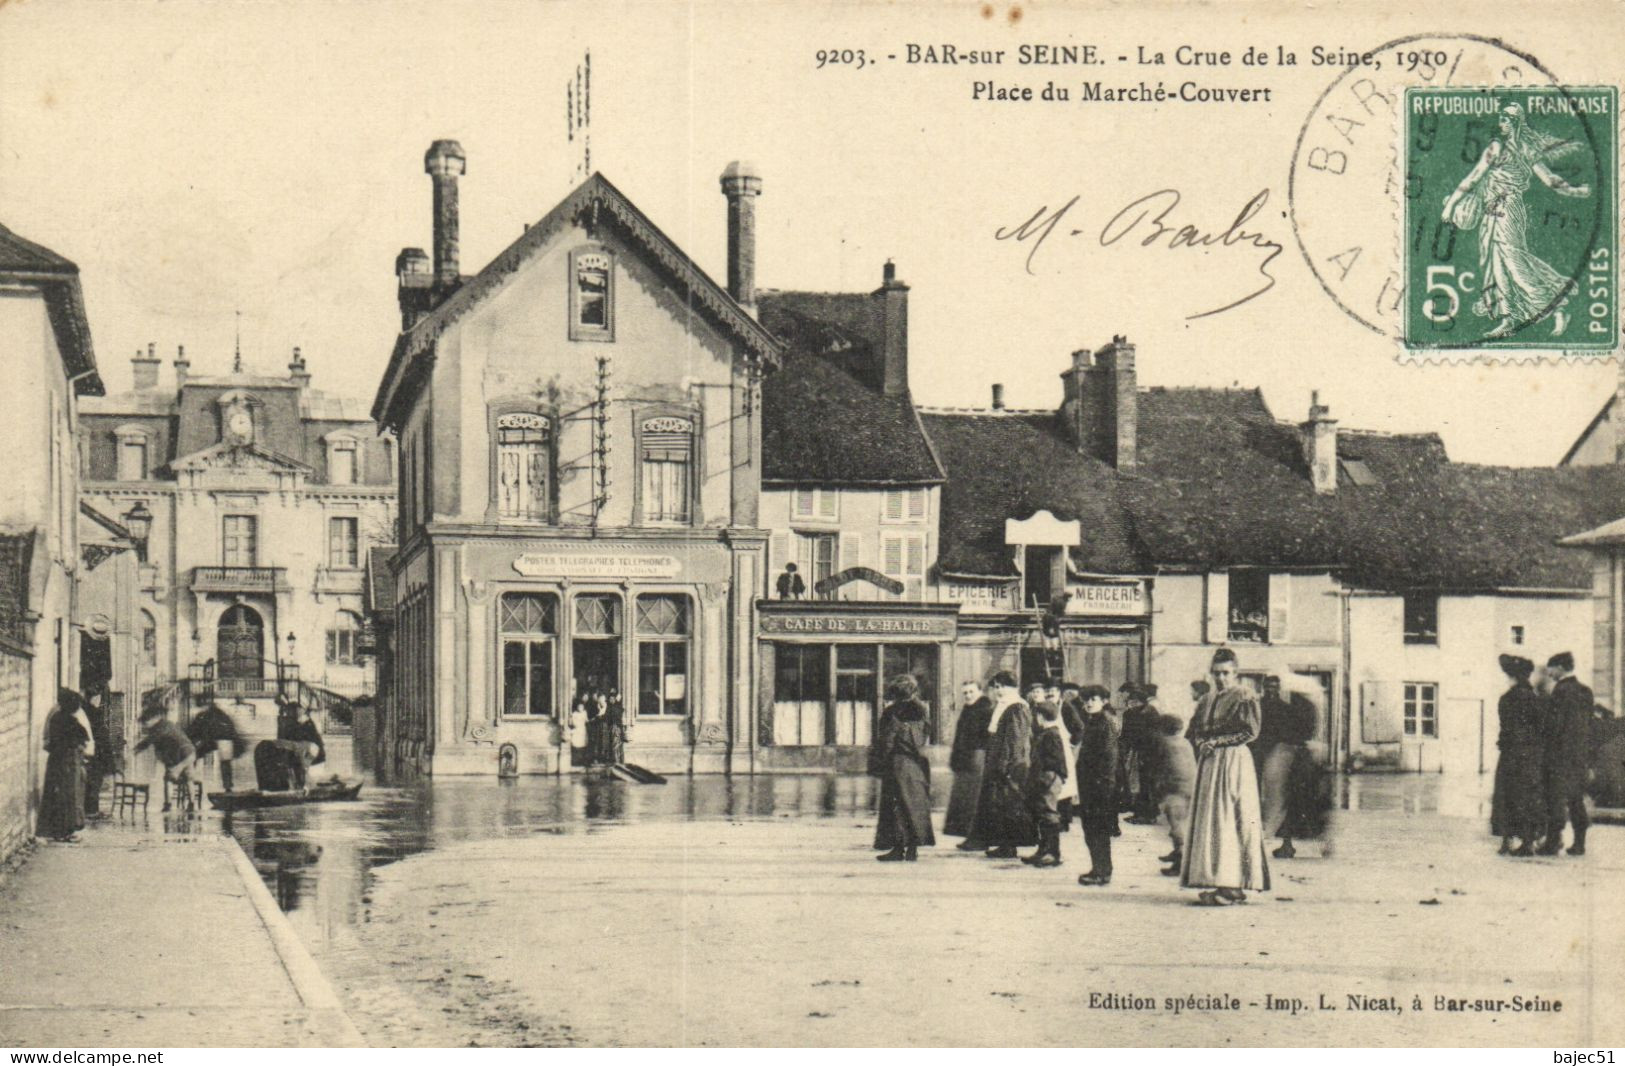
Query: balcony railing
[[239, 579]]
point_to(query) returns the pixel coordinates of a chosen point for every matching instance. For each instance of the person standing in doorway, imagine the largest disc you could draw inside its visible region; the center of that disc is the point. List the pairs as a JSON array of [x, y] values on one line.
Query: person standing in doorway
[[1003, 820], [1224, 854], [1568, 730], [966, 760]]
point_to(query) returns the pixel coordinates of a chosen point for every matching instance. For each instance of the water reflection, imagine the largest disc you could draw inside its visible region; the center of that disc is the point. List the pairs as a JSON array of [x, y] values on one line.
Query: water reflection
[[316, 858]]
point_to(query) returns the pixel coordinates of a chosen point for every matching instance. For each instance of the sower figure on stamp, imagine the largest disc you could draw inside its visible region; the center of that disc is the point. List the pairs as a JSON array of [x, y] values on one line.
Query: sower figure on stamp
[[1518, 806], [1568, 729], [1003, 820], [966, 761], [1225, 851]]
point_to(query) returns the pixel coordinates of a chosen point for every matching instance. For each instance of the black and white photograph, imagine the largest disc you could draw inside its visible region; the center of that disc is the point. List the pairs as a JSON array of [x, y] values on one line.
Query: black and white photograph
[[796, 525]]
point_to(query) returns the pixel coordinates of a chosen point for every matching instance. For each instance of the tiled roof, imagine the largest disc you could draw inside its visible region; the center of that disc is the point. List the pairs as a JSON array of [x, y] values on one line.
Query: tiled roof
[[23, 255], [1610, 533], [824, 418], [1220, 483], [58, 279]]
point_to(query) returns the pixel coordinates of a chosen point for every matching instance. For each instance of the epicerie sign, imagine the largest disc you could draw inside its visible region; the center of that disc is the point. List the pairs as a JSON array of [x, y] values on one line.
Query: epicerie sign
[[603, 564], [1118, 598]]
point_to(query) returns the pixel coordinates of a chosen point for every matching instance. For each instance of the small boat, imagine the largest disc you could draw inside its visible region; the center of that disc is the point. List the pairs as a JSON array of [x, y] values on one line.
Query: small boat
[[254, 799], [636, 774]]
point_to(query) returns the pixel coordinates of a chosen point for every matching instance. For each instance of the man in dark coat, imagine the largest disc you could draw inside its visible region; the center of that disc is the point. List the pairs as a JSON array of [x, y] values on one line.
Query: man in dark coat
[[1047, 780], [213, 730], [1004, 822], [966, 761], [1568, 729], [1097, 800], [1518, 805]]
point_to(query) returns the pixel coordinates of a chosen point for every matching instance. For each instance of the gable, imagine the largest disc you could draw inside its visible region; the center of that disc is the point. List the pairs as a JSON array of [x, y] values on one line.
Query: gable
[[238, 458]]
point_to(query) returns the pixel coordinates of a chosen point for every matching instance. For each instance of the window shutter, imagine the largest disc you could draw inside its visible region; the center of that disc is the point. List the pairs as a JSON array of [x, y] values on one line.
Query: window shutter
[[891, 556], [1280, 608], [778, 553], [804, 503], [1379, 713], [894, 505], [916, 557], [851, 551], [916, 503], [1218, 607], [827, 499]]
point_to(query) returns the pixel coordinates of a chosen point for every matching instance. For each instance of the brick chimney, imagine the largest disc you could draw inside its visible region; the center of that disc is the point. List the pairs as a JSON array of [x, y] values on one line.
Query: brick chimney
[[416, 285], [1319, 436], [444, 163], [893, 296], [741, 184], [297, 369], [183, 365], [144, 368], [998, 396], [1100, 403]]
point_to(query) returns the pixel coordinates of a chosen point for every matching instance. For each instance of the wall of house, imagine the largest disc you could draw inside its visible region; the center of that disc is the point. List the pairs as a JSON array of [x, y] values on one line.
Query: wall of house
[[42, 494], [1607, 572], [1462, 664], [861, 529]]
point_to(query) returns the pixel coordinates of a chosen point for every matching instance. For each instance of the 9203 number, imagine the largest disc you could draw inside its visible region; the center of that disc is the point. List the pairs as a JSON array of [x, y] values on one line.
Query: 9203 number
[[846, 57]]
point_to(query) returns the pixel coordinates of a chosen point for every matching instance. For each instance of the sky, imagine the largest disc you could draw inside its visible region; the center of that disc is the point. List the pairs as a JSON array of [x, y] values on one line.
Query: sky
[[203, 159]]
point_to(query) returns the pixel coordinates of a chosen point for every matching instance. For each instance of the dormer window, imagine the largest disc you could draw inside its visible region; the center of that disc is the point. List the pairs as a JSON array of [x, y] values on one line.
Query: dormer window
[[343, 459], [592, 296], [132, 453]]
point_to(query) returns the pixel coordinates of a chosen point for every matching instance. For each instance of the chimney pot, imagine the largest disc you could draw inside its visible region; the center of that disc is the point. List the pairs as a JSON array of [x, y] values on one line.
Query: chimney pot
[[182, 364], [144, 368], [1319, 439], [741, 184], [893, 295], [998, 396], [444, 163]]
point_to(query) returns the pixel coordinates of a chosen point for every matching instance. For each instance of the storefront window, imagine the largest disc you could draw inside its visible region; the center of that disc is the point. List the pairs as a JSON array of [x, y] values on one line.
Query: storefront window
[[800, 693], [528, 625], [857, 690], [663, 634]]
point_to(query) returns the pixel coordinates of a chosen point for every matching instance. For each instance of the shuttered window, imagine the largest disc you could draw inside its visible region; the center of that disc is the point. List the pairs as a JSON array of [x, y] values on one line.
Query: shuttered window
[[819, 504], [524, 465], [667, 457], [902, 558], [904, 505]]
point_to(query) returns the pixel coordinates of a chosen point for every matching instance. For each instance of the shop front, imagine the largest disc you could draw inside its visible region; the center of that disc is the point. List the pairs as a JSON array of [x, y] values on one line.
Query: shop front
[[824, 672]]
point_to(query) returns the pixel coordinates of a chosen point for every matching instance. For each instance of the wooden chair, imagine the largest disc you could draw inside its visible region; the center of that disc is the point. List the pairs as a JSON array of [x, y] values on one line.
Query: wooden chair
[[190, 794], [125, 794]]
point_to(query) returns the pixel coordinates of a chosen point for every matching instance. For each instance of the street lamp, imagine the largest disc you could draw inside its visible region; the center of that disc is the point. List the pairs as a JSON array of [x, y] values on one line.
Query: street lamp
[[138, 520], [293, 643]]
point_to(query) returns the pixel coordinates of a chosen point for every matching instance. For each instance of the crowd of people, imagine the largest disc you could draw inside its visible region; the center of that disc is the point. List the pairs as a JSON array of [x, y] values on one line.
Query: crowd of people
[[81, 755], [1027, 765], [599, 728], [1540, 776]]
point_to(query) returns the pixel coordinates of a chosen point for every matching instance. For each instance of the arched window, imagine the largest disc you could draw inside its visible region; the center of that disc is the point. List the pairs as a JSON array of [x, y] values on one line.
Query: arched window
[[592, 295], [341, 638], [524, 465]]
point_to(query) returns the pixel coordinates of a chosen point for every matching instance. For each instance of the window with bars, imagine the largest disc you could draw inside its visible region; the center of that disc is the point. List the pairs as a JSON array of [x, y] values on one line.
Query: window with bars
[[524, 465], [904, 505], [239, 536], [1421, 706], [343, 543], [527, 624], [902, 558], [666, 454], [663, 630], [342, 638], [822, 505]]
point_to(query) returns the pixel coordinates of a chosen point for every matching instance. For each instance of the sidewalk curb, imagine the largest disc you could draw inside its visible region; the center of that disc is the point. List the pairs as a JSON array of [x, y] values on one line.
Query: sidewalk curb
[[307, 978]]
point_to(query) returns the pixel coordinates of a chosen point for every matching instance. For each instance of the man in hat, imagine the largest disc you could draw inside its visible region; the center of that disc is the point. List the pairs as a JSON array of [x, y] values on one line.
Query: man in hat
[[1097, 800], [173, 749], [790, 585], [1568, 726]]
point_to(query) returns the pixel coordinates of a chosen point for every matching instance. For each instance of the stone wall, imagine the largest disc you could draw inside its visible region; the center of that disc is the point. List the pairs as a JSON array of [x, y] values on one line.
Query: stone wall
[[14, 740]]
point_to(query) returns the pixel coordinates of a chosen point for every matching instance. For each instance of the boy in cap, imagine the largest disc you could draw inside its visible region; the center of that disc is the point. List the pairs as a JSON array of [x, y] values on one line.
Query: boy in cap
[[173, 749], [1096, 804], [1047, 781]]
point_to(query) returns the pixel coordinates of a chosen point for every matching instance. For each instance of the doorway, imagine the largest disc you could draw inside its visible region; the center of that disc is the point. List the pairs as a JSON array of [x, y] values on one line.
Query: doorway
[[596, 644], [240, 643]]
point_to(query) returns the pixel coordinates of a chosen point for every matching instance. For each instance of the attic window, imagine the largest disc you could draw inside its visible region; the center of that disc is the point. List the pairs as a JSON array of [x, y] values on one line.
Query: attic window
[[1421, 618], [1357, 472], [592, 305]]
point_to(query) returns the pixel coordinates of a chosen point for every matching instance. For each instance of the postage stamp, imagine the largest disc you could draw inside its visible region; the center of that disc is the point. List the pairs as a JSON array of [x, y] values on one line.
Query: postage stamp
[[1510, 235]]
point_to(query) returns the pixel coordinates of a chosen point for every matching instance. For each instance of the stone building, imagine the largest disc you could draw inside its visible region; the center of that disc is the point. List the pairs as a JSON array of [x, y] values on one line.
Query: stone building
[[580, 469], [50, 365], [263, 495]]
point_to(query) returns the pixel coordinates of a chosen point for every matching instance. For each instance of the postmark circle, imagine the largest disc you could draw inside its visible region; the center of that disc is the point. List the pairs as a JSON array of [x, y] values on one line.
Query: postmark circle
[[1346, 189]]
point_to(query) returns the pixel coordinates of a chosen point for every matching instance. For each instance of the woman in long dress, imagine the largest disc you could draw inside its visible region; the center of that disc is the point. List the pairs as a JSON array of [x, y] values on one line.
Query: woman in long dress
[[67, 743], [966, 761], [1004, 821], [1518, 807], [1517, 286], [1225, 852], [897, 757]]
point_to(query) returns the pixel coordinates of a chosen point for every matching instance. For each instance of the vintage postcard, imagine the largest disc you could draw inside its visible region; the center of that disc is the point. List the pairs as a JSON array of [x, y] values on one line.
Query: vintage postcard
[[805, 524]]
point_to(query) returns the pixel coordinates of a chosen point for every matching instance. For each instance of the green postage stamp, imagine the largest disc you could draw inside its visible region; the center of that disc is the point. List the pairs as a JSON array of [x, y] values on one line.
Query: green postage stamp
[[1511, 236]]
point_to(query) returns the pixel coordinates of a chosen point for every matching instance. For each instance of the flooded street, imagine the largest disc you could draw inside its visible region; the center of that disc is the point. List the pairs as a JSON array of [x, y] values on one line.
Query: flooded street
[[717, 911]]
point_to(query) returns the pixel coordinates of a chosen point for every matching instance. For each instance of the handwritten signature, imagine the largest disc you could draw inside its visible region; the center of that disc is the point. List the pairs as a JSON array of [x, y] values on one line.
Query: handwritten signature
[[1148, 219]]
